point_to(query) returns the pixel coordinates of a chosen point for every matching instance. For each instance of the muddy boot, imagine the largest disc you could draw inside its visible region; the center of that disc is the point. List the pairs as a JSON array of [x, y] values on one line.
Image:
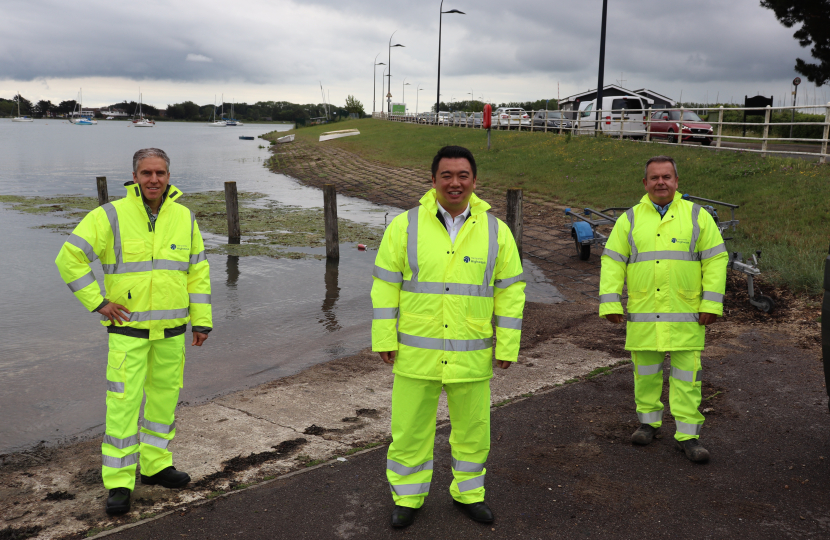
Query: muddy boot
[[403, 516], [644, 434], [693, 450], [169, 478], [118, 501]]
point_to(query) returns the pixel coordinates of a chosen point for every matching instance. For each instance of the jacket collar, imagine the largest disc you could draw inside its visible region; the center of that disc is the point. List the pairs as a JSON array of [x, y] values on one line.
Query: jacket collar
[[647, 201], [134, 193], [477, 206]]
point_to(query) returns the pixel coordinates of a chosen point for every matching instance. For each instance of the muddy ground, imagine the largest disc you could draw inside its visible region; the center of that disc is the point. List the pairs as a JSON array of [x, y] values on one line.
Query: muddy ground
[[261, 433]]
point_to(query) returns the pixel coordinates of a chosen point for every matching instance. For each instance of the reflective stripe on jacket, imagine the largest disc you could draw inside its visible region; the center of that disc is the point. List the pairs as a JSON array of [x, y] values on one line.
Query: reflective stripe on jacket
[[160, 273], [675, 268], [441, 295]]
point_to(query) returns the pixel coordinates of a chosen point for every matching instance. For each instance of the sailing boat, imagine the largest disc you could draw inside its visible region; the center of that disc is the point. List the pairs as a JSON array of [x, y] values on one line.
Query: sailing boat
[[138, 119], [79, 117], [19, 118], [233, 121], [221, 122]]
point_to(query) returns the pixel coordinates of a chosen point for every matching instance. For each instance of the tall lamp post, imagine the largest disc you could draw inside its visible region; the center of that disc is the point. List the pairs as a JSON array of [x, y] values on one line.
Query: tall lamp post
[[417, 95], [375, 80], [382, 85], [600, 81], [389, 67], [403, 92], [440, 21]]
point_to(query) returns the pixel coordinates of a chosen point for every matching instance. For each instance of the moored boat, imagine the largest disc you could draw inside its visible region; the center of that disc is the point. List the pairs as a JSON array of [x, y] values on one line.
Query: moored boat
[[338, 134]]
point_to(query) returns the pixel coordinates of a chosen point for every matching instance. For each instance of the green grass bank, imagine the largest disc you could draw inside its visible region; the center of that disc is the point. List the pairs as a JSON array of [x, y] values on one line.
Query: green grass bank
[[785, 203]]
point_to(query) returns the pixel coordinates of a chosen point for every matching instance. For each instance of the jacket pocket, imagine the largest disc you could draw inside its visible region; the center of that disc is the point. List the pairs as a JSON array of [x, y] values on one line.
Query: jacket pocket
[[689, 300], [116, 374], [133, 250], [636, 299]]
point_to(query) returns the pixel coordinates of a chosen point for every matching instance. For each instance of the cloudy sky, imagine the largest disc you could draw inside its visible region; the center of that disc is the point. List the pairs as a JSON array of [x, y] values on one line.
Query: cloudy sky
[[253, 50]]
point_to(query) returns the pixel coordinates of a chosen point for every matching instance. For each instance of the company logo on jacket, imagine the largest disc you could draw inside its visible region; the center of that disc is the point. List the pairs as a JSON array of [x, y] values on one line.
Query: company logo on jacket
[[474, 260], [174, 247], [681, 241]]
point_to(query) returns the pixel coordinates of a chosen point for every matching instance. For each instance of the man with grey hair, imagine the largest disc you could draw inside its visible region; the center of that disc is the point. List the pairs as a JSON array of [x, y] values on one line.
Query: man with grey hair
[[156, 279], [672, 257]]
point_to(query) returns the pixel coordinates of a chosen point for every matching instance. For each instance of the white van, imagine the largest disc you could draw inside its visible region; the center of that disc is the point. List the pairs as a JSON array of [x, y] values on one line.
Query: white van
[[618, 112]]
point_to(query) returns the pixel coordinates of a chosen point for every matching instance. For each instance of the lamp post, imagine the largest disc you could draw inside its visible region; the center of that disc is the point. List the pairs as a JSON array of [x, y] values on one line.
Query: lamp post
[[600, 81], [389, 67], [417, 95], [440, 21], [403, 91], [375, 80], [382, 85]]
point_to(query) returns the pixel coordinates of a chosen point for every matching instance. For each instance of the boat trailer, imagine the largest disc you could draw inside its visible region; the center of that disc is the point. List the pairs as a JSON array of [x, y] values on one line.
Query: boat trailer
[[585, 233]]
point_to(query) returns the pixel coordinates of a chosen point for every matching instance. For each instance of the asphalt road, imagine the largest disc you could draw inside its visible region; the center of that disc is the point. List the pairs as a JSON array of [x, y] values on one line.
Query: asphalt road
[[561, 466]]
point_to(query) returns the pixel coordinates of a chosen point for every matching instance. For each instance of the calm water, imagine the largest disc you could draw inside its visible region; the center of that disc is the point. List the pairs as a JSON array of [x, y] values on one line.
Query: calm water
[[271, 317]]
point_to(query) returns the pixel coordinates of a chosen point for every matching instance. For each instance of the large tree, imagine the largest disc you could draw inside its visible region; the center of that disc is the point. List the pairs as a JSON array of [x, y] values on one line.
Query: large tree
[[814, 17], [354, 106]]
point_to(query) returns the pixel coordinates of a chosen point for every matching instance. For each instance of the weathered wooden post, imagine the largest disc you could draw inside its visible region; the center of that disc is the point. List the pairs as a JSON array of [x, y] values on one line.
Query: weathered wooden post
[[825, 326], [720, 124], [514, 216], [823, 158], [232, 209], [766, 132], [103, 194], [330, 211], [648, 125]]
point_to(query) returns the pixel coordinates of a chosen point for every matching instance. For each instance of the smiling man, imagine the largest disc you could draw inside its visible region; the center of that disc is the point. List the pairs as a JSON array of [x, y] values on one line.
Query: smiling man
[[156, 278], [442, 270], [671, 254]]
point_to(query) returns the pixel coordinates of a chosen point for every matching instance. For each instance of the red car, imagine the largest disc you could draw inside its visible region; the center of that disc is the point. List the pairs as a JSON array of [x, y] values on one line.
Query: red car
[[665, 124]]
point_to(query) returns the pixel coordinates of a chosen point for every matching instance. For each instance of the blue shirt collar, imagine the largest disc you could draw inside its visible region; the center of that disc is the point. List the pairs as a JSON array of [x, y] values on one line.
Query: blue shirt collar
[[661, 209]]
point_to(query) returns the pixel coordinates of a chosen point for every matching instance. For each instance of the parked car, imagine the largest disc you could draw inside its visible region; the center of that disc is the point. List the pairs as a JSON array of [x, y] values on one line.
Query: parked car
[[665, 124], [458, 118], [443, 117], [510, 117], [555, 119], [618, 112], [476, 119]]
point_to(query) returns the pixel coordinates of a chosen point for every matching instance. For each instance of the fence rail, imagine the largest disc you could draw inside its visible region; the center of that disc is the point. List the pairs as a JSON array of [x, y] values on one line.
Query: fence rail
[[649, 125]]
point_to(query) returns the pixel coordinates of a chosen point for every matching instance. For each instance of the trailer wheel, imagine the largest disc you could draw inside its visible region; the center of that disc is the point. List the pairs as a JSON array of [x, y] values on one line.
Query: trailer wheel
[[583, 251], [767, 304]]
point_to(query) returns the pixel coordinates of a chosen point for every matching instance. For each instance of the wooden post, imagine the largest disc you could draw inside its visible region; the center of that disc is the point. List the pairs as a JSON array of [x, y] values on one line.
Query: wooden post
[[766, 132], [825, 325], [648, 125], [332, 234], [720, 124], [232, 209], [103, 194], [514, 216], [823, 158]]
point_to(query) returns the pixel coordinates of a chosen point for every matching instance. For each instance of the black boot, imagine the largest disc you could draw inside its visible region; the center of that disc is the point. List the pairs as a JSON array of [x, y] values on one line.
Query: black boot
[[644, 434], [169, 478], [403, 516], [477, 511], [118, 501], [693, 450]]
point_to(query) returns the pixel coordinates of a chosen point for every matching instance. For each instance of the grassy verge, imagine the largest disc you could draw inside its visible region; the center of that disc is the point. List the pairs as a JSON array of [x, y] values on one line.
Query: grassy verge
[[784, 202]]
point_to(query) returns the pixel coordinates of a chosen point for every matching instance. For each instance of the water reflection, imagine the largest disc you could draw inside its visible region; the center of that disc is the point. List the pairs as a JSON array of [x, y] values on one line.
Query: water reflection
[[329, 320], [232, 270]]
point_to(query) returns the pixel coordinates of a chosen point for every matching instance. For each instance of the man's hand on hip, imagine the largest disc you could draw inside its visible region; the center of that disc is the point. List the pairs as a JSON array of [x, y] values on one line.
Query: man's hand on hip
[[706, 318], [616, 318], [503, 364], [198, 339], [116, 313], [388, 357]]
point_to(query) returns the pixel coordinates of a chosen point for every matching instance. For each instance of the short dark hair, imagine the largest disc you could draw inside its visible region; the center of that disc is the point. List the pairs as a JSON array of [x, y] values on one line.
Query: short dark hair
[[661, 159], [453, 152], [150, 152]]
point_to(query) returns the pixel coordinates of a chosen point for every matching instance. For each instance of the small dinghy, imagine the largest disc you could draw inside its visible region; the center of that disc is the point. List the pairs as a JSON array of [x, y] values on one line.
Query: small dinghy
[[244, 138], [337, 134], [287, 138]]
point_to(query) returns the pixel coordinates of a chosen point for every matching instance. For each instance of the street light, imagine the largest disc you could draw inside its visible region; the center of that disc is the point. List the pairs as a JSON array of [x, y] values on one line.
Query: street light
[[440, 21], [403, 90], [417, 95], [600, 82], [390, 69], [375, 80]]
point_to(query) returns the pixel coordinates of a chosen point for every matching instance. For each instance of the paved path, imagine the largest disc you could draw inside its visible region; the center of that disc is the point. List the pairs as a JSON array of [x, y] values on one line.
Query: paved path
[[561, 466]]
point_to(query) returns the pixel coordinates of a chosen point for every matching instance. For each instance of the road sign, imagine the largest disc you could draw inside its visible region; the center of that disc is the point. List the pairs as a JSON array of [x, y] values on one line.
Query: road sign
[[389, 94], [797, 81]]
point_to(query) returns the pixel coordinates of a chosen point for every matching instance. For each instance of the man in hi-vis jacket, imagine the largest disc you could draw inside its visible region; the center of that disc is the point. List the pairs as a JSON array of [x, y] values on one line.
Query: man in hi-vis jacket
[[442, 270], [671, 254], [157, 279]]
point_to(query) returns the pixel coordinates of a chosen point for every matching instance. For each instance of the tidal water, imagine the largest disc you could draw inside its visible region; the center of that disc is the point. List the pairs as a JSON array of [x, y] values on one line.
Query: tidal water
[[272, 317]]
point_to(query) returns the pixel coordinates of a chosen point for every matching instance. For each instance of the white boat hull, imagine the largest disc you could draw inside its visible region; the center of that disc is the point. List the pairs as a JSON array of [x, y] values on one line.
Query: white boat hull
[[286, 139], [22, 120], [338, 134]]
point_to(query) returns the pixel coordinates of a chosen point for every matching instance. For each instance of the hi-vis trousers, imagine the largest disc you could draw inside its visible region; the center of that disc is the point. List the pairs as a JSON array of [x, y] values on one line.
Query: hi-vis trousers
[[684, 390], [136, 366], [409, 460]]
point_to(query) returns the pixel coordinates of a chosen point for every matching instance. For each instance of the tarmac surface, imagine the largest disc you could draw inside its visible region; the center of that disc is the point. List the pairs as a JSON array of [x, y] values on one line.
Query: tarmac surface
[[562, 466]]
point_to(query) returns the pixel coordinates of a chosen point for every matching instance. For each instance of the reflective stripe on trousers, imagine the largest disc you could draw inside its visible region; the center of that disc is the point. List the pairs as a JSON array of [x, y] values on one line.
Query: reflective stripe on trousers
[[119, 463]]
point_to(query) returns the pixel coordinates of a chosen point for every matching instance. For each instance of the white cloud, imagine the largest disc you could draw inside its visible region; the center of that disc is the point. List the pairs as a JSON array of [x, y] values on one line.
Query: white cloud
[[198, 58]]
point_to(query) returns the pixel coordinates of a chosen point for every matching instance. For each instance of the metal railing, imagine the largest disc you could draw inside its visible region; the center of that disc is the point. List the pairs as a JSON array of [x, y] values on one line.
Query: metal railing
[[641, 125]]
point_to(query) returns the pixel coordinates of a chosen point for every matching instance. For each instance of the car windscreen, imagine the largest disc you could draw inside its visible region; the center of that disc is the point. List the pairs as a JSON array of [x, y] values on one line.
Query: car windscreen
[[691, 116]]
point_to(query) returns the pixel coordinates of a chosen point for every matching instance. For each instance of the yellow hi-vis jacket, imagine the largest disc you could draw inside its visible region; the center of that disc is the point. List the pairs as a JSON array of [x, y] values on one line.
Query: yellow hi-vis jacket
[[675, 268], [160, 273], [442, 294]]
